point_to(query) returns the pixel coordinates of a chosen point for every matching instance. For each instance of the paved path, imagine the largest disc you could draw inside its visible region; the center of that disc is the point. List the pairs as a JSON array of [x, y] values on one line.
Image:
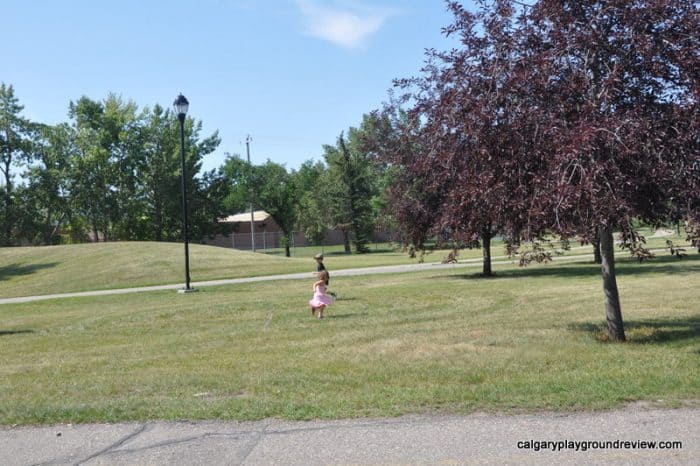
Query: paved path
[[293, 276], [430, 440]]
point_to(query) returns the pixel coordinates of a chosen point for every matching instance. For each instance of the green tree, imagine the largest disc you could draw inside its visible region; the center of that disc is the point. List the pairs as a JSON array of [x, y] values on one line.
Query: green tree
[[237, 173], [274, 191], [15, 149], [196, 148], [209, 205], [313, 214], [377, 136], [93, 193], [46, 206], [160, 175], [269, 187], [206, 193], [126, 170], [123, 127], [312, 219], [350, 189]]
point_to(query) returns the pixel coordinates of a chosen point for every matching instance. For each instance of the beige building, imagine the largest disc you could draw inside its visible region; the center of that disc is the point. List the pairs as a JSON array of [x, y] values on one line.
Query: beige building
[[268, 234]]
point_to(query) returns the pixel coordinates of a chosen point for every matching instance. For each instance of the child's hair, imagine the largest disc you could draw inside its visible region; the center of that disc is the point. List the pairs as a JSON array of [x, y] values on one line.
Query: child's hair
[[323, 275], [318, 256]]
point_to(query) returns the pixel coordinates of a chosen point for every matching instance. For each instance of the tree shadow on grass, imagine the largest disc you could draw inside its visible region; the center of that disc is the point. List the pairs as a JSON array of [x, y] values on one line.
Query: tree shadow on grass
[[355, 253], [13, 270], [346, 298], [648, 331], [346, 315], [4, 333], [623, 266]]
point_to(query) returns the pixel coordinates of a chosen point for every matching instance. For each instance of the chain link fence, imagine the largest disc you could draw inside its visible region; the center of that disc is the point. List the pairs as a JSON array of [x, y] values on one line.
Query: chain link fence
[[273, 241]]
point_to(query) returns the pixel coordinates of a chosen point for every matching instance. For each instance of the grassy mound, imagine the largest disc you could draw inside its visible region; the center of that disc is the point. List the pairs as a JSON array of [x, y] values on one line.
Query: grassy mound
[[94, 266]]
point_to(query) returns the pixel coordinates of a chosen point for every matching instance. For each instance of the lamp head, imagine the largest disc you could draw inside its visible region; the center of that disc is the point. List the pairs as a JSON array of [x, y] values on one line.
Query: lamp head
[[181, 105]]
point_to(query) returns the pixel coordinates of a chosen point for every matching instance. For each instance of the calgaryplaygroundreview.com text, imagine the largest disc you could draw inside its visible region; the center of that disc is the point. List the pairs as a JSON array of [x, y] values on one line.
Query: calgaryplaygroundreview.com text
[[586, 445]]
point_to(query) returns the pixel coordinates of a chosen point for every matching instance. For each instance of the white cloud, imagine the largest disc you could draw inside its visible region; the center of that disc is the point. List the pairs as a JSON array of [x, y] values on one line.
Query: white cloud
[[348, 26]]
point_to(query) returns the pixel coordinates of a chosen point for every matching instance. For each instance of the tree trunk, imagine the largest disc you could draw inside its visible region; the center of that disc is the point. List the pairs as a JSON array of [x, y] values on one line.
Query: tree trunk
[[346, 242], [9, 220], [595, 242], [158, 226], [613, 313], [47, 228], [596, 252], [8, 202], [486, 249], [57, 227]]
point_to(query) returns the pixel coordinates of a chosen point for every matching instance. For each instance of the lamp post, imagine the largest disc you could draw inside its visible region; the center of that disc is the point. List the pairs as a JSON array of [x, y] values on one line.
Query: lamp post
[[181, 105]]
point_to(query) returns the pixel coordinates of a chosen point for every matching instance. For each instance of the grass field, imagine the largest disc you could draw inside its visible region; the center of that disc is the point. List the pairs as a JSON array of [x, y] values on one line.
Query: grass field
[[84, 267], [442, 341]]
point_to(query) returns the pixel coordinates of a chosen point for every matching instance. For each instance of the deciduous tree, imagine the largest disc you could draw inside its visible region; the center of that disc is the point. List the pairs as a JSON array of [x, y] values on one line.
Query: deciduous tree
[[47, 184], [274, 191], [350, 190], [577, 116], [623, 105], [15, 150], [476, 156]]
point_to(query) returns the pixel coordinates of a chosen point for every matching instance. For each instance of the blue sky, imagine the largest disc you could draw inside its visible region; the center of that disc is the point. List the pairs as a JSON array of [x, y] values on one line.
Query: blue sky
[[291, 73]]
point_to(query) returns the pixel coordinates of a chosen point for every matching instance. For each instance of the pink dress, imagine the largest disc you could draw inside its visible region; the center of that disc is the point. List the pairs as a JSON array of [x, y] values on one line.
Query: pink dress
[[320, 297]]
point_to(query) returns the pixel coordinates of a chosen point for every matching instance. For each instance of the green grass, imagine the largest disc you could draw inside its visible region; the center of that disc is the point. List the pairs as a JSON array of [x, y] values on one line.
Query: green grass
[[443, 341], [83, 267], [29, 271]]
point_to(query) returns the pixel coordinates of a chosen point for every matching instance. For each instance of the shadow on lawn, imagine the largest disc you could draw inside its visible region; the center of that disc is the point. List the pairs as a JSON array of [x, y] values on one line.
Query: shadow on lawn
[[346, 298], [665, 330], [623, 266], [14, 332], [346, 315], [373, 250], [12, 270]]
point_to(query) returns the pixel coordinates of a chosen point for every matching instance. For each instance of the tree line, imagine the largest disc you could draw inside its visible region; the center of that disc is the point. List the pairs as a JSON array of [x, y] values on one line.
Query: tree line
[[113, 173]]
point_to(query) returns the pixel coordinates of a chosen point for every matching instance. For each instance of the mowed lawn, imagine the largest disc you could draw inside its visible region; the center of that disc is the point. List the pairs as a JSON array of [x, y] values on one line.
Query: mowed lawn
[[94, 266], [443, 341], [27, 271]]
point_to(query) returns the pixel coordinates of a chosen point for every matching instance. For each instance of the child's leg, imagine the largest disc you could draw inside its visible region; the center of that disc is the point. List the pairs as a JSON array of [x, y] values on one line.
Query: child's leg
[[321, 308], [313, 310]]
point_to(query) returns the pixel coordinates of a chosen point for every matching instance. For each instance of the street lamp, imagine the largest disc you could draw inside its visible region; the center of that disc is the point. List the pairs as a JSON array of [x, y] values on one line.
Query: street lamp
[[181, 105]]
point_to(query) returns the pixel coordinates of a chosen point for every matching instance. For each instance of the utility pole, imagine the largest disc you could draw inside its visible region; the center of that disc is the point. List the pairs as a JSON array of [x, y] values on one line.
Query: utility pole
[[248, 140]]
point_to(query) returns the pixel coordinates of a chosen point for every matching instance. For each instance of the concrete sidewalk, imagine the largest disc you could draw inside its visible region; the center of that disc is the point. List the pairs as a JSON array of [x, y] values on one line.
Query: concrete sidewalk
[[471, 439]]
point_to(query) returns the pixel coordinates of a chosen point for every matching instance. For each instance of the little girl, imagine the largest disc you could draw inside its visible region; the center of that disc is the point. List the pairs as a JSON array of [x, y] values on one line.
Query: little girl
[[320, 300]]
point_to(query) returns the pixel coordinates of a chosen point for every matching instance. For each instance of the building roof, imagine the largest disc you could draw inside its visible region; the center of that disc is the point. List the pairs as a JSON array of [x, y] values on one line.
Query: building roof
[[258, 216]]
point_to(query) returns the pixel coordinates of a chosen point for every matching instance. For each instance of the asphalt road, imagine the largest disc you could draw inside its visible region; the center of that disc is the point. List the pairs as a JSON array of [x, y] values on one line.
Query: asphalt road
[[442, 440]]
